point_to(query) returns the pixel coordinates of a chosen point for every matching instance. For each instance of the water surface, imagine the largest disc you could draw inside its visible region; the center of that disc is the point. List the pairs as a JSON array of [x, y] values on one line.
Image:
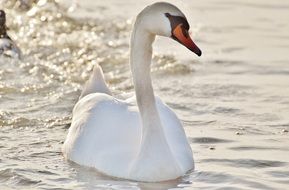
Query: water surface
[[233, 101]]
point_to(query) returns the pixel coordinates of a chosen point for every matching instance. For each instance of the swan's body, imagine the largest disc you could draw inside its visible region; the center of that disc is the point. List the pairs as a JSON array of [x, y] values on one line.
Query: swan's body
[[139, 138], [7, 46]]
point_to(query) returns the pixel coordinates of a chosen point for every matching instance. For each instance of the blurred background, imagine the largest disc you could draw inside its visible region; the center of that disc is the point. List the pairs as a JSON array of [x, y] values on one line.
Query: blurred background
[[233, 101]]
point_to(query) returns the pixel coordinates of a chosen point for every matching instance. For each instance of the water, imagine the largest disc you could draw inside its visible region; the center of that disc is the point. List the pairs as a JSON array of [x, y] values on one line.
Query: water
[[233, 100]]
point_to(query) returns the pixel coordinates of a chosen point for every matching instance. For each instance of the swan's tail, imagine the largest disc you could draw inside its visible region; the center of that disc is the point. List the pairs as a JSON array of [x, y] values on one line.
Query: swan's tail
[[96, 83]]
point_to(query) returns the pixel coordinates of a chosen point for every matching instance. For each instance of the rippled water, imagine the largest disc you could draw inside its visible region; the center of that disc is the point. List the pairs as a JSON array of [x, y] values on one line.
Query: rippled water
[[233, 101]]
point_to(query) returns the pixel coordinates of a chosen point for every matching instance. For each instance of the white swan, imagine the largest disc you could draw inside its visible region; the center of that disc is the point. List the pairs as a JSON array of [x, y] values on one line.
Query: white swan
[[7, 46], [139, 138]]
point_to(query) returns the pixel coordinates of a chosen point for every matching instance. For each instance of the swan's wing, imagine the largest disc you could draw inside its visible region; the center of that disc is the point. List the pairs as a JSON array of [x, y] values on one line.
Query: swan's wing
[[175, 135], [105, 133]]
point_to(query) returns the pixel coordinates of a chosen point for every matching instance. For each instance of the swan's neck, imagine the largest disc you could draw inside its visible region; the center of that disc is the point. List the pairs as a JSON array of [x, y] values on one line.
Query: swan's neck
[[141, 55], [154, 153]]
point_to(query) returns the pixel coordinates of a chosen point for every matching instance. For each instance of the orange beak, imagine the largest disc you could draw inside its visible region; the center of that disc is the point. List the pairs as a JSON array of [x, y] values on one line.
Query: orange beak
[[181, 35]]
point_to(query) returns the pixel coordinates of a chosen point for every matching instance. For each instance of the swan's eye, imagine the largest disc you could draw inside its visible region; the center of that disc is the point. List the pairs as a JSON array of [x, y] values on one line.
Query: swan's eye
[[176, 21]]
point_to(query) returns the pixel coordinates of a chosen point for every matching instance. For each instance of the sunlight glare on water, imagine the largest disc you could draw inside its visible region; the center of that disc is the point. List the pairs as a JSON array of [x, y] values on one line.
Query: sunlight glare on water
[[233, 101]]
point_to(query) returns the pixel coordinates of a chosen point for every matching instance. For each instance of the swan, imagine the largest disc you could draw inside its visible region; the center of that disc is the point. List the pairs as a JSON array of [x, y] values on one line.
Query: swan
[[139, 138], [7, 46]]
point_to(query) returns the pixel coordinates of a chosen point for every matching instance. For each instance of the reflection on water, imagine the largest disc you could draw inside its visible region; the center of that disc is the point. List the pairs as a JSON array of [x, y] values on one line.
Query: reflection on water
[[233, 101]]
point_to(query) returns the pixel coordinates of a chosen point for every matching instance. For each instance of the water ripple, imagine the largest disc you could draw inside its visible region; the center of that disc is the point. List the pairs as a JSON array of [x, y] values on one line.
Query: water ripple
[[247, 163]]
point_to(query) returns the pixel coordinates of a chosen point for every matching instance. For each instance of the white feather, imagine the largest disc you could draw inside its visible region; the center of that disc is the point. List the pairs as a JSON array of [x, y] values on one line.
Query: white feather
[[139, 138]]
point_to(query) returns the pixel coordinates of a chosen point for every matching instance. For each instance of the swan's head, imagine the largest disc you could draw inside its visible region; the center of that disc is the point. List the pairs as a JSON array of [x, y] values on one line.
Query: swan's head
[[165, 19]]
